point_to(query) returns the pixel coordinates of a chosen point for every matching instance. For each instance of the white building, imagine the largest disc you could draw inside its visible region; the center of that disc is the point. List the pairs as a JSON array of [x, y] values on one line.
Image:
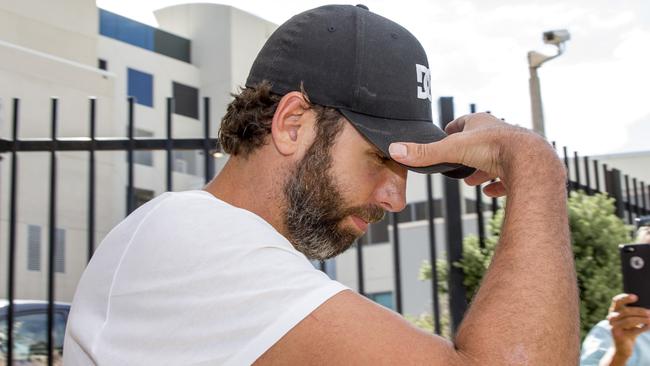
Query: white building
[[73, 50]]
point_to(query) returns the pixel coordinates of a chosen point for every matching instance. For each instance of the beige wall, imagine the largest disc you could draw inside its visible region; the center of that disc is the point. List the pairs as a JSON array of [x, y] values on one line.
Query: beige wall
[[66, 29]]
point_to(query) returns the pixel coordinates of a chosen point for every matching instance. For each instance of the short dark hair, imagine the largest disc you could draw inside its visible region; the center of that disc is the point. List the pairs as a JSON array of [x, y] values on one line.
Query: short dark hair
[[248, 118]]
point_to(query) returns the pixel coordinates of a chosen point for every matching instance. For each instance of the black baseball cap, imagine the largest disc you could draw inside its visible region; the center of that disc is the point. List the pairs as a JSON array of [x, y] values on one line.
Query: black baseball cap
[[371, 69]]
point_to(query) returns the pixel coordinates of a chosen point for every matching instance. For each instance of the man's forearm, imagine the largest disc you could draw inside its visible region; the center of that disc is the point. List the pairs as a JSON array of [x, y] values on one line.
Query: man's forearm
[[526, 311]]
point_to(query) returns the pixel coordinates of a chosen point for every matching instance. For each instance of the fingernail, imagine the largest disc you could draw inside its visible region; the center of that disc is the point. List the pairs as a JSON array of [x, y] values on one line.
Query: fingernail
[[397, 150]]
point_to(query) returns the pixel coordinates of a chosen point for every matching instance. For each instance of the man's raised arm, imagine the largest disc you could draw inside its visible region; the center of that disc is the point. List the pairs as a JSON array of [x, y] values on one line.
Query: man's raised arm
[[526, 310]]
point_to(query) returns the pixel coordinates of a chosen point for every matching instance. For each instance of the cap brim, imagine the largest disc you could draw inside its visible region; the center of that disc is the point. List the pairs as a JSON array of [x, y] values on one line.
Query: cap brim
[[381, 132]]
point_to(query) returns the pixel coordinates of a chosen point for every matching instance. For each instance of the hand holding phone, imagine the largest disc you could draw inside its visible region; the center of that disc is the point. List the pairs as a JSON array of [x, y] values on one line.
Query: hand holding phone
[[635, 266]]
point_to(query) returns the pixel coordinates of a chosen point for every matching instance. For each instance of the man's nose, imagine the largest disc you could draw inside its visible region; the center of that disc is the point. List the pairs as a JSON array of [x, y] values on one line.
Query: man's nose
[[391, 192]]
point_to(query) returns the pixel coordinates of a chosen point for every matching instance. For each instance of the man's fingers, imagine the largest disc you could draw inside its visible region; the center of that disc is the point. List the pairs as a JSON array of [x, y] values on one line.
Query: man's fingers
[[469, 120], [631, 322], [620, 300], [637, 331], [455, 126], [628, 311], [479, 177], [495, 189], [412, 154]]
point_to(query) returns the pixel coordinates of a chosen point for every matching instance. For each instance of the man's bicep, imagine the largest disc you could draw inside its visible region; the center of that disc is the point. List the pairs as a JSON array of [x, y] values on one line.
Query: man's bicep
[[350, 329]]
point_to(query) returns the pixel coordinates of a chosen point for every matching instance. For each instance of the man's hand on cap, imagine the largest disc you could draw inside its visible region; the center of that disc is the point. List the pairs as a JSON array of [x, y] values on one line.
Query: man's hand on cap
[[480, 140]]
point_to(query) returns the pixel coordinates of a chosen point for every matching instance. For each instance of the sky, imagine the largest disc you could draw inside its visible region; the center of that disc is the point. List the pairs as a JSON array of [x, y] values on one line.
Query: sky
[[596, 96]]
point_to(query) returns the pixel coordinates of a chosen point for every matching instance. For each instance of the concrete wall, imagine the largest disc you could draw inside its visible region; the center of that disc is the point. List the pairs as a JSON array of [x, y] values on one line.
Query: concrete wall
[[66, 29], [635, 164], [34, 77], [225, 41]]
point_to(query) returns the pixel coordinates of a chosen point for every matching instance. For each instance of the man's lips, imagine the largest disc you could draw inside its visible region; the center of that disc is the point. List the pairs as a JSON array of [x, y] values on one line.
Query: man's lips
[[361, 223]]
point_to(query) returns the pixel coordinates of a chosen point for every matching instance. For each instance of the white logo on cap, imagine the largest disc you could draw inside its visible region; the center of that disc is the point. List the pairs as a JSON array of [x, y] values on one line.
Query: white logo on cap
[[424, 81], [636, 262]]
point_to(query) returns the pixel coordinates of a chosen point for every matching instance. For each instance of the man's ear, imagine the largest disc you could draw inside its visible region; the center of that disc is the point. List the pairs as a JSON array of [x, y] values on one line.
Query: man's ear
[[289, 127]]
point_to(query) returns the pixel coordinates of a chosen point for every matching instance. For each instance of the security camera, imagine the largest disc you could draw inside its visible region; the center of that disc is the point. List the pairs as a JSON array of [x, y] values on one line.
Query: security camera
[[556, 37]]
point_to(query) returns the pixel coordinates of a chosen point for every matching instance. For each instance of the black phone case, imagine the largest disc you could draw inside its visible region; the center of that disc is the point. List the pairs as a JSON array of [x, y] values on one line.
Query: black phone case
[[635, 266]]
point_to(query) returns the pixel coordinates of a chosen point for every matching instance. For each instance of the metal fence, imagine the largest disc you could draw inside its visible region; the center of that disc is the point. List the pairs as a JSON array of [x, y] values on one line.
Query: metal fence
[[632, 200]]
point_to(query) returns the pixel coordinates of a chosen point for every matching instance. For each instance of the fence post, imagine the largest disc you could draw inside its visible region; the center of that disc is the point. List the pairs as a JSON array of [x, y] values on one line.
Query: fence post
[[614, 189], [454, 229]]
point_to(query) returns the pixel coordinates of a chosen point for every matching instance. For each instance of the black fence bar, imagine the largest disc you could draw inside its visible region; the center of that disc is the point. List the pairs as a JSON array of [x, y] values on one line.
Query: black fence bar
[[637, 206], [606, 178], [207, 161], [628, 200], [479, 216], [643, 198], [169, 144], [433, 256], [91, 179], [614, 189], [479, 202], [587, 175], [396, 263], [130, 194], [566, 161], [13, 212], [103, 144], [454, 230], [596, 175], [360, 277], [576, 166], [52, 238], [568, 170]]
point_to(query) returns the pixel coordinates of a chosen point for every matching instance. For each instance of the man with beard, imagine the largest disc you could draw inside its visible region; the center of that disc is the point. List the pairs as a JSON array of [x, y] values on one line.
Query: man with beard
[[336, 108]]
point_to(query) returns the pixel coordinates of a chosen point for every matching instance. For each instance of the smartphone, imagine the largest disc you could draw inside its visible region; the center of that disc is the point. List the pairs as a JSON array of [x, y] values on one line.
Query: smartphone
[[635, 266]]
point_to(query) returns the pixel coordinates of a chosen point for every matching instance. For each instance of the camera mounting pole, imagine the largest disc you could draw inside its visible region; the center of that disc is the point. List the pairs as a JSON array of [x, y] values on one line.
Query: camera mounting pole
[[535, 61]]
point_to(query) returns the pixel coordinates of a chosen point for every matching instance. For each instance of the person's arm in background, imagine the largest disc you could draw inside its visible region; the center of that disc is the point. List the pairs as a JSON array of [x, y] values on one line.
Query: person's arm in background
[[627, 322]]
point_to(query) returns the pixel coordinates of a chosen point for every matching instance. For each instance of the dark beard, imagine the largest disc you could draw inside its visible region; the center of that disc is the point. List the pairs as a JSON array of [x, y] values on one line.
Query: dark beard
[[315, 207]]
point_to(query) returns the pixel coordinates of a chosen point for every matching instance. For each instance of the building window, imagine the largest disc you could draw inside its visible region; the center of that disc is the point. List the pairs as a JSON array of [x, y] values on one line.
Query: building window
[[140, 86], [144, 36], [142, 196], [142, 157], [59, 250], [379, 232], [363, 240], [102, 64], [383, 298], [33, 248], [172, 45], [126, 30], [186, 100], [405, 215], [470, 206], [421, 211], [185, 161]]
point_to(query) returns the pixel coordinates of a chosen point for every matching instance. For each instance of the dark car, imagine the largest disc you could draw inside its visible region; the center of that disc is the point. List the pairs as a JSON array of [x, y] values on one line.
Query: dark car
[[30, 331]]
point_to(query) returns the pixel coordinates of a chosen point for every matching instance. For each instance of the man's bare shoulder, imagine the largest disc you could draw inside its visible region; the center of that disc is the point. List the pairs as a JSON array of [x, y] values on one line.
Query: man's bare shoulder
[[350, 329]]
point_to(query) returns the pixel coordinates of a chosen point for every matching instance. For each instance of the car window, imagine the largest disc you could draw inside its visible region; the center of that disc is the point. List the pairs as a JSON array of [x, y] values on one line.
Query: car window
[[30, 338]]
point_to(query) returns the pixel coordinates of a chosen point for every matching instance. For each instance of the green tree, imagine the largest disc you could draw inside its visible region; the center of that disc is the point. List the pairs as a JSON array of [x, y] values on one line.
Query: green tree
[[596, 232]]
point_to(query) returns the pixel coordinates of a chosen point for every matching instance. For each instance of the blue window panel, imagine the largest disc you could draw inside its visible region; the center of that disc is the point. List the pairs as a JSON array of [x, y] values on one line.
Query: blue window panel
[[140, 86], [383, 298], [107, 24], [126, 30]]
